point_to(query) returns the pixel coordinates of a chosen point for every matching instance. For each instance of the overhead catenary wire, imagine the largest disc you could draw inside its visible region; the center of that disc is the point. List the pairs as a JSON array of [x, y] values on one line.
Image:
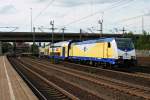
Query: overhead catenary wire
[[42, 11], [70, 11], [11, 29], [133, 18], [116, 4]]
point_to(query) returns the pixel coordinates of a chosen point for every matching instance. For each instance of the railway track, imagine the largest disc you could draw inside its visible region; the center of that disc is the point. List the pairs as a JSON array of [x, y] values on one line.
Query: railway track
[[142, 70], [43, 88], [109, 87], [138, 78], [143, 74], [79, 92]]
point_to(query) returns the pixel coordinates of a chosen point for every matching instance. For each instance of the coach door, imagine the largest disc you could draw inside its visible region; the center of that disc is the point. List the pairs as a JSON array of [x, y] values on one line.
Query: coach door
[[63, 51]]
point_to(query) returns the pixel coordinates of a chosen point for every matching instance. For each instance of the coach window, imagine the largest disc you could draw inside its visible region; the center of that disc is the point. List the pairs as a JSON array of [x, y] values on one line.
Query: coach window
[[109, 45]]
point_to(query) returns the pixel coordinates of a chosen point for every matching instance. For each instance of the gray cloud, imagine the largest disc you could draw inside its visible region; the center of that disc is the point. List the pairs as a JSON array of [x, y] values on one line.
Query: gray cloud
[[69, 3], [7, 9], [39, 1]]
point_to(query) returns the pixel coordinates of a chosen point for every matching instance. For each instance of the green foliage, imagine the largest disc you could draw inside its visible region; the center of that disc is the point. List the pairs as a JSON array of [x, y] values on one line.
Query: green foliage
[[141, 43], [6, 47], [34, 49], [131, 35]]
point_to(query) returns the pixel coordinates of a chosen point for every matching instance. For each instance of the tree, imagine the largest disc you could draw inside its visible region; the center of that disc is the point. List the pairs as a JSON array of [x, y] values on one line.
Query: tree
[[7, 47], [34, 49], [143, 43]]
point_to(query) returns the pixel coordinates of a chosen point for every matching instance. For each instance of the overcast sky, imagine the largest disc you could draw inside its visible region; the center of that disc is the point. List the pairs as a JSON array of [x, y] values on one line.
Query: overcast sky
[[75, 14]]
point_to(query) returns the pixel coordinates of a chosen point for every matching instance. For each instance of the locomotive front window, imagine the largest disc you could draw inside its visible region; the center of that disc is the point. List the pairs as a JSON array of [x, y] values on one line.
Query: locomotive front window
[[125, 44]]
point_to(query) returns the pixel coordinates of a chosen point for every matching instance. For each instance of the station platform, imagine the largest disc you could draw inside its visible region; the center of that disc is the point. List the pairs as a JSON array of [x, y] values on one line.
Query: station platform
[[12, 87]]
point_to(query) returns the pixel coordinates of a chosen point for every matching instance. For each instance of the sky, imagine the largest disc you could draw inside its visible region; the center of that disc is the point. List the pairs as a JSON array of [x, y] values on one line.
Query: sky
[[75, 15]]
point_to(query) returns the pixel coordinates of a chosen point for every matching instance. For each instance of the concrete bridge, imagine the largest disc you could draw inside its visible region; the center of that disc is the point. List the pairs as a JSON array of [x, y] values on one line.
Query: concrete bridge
[[46, 37]]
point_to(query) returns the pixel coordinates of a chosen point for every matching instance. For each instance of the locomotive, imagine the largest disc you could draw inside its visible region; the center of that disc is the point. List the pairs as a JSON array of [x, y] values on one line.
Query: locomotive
[[101, 51]]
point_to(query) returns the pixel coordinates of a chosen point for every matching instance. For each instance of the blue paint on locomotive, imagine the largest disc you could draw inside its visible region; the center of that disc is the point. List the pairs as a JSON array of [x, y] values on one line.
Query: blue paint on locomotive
[[94, 41], [57, 57], [107, 60], [126, 49]]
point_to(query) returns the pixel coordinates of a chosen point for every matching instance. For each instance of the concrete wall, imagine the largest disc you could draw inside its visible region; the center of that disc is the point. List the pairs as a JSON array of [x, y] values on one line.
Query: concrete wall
[[143, 53]]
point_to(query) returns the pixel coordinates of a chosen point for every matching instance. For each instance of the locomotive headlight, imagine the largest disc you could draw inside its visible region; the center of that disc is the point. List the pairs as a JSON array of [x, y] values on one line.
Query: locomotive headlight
[[120, 57], [133, 57]]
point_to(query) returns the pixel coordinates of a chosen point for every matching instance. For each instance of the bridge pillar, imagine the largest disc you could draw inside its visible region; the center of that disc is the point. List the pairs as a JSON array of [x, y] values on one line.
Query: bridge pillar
[[0, 48], [14, 47]]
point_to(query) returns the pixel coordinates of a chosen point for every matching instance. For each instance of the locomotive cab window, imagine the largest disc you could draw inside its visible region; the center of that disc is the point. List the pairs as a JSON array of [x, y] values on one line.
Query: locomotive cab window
[[124, 44], [109, 45]]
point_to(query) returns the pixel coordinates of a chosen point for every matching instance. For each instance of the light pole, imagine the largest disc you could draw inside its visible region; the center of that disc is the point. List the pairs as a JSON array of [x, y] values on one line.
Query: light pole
[[63, 31], [101, 26], [52, 24], [33, 35], [31, 18], [80, 34], [32, 32], [142, 24]]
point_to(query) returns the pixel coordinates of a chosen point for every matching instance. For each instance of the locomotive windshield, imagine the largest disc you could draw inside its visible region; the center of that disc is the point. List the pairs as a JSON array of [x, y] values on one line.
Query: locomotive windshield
[[124, 44]]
